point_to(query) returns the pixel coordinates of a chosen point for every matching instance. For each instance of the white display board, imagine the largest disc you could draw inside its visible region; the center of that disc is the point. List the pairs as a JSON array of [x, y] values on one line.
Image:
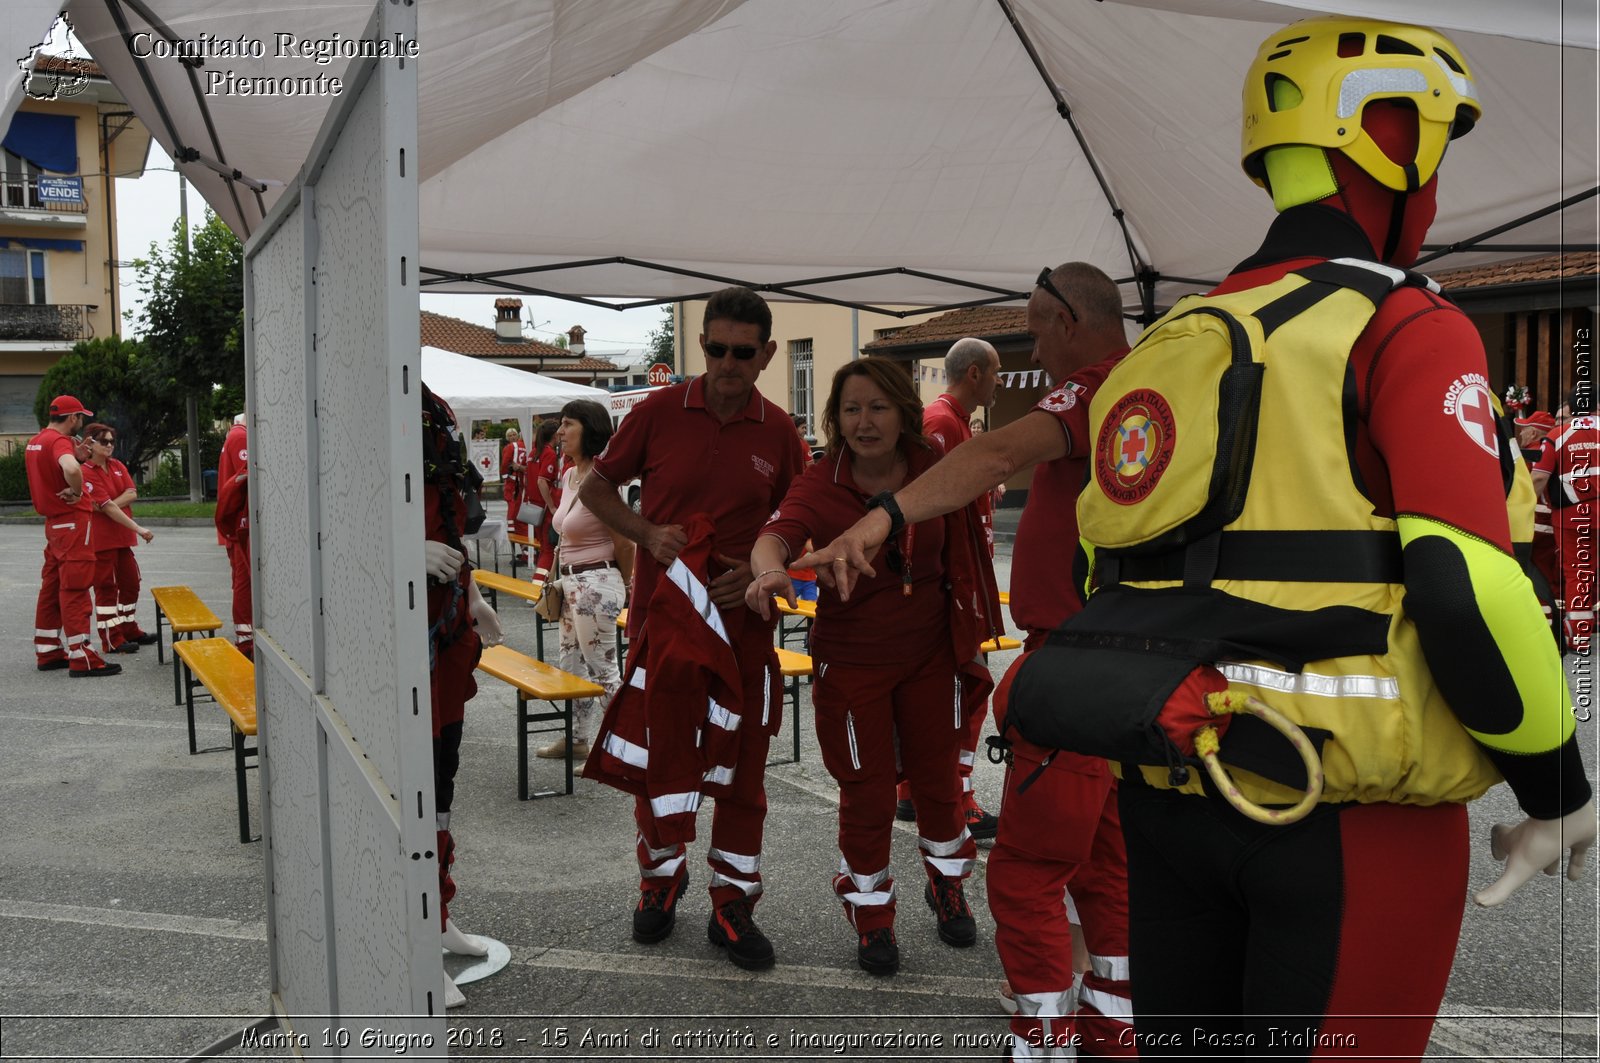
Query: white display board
[[340, 606]]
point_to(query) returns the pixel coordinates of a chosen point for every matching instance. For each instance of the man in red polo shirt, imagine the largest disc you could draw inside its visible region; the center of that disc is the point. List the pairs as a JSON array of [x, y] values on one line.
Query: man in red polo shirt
[[972, 366], [1062, 829], [55, 483], [712, 446]]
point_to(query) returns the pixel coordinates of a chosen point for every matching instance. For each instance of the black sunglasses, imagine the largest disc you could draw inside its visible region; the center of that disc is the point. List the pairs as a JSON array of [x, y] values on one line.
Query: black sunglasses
[[1044, 282], [722, 350]]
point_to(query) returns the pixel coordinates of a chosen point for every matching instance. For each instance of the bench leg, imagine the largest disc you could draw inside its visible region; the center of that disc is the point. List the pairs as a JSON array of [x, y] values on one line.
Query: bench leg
[[243, 791], [160, 618], [566, 711], [522, 747], [188, 700], [177, 690], [538, 635], [794, 696]]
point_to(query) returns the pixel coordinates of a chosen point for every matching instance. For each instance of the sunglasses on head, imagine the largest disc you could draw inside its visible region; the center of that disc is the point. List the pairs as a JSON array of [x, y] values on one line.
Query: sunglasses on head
[[1044, 282], [722, 350]]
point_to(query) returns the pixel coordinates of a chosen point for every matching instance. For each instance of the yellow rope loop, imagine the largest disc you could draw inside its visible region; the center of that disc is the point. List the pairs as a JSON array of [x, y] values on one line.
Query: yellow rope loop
[[1207, 746]]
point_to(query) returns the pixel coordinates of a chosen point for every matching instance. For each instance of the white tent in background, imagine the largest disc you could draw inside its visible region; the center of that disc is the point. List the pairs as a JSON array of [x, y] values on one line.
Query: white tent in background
[[483, 391]]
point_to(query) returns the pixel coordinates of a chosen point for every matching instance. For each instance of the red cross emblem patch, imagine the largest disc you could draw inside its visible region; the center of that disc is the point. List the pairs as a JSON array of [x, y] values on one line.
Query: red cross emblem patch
[[1134, 446], [1473, 405]]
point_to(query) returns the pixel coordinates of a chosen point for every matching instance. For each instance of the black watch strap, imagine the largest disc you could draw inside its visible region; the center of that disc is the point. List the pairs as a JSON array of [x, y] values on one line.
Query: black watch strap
[[885, 501]]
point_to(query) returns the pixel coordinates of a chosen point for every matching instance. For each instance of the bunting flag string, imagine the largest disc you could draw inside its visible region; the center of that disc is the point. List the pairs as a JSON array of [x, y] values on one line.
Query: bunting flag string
[[1026, 378]]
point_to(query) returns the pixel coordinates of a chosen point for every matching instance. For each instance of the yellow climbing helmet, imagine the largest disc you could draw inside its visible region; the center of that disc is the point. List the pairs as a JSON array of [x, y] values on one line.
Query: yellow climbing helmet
[[1311, 80]]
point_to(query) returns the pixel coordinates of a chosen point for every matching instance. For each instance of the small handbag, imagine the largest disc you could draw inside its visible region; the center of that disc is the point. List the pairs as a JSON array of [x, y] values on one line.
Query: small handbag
[[530, 513], [552, 598]]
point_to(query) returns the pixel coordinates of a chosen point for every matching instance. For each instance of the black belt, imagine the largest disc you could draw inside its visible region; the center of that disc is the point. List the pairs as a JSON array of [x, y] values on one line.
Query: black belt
[[569, 570], [1276, 556]]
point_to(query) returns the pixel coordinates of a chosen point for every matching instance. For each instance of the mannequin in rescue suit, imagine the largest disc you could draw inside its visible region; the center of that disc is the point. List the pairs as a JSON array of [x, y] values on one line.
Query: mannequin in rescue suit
[[1381, 608], [460, 624]]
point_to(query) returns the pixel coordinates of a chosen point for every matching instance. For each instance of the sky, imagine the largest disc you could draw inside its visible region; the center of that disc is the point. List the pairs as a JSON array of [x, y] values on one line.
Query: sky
[[148, 206]]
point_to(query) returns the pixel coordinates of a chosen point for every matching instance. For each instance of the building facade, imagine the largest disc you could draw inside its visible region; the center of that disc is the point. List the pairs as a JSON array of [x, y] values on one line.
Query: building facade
[[59, 268]]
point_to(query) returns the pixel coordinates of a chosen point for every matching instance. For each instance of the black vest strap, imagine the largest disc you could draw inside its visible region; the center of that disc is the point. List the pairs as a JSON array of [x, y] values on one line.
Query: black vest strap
[[1280, 557]]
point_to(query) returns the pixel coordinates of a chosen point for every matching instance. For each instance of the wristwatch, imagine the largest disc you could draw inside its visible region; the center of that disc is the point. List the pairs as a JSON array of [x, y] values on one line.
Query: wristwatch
[[885, 500]]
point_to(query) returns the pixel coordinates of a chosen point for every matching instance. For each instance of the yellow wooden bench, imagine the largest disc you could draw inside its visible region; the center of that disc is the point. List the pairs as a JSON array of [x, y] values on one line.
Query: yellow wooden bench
[[535, 680], [1004, 642], [230, 678], [804, 610], [182, 610], [493, 583], [793, 666], [622, 645]]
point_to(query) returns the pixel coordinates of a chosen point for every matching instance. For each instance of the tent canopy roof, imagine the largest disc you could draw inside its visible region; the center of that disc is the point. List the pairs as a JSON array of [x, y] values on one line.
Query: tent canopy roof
[[766, 141], [483, 391]]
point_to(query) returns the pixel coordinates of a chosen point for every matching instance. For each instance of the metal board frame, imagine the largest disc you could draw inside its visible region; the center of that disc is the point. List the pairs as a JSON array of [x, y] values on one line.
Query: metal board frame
[[333, 407]]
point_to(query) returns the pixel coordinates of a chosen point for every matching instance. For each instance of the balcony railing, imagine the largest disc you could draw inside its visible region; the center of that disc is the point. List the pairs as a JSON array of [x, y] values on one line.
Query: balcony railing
[[23, 193], [44, 321]]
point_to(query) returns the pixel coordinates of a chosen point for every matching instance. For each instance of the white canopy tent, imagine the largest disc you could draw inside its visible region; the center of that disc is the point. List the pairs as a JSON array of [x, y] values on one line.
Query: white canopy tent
[[482, 391], [857, 152]]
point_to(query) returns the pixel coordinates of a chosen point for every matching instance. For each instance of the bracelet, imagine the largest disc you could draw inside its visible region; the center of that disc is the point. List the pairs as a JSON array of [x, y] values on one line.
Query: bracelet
[[770, 571]]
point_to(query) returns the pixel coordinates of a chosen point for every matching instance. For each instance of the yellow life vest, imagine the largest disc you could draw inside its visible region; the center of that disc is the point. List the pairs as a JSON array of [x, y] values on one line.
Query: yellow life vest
[[1280, 567]]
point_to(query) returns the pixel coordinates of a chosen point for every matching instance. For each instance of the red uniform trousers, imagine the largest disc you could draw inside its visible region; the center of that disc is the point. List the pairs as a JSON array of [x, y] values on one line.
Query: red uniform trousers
[[62, 620], [243, 603], [1576, 547], [873, 724], [1061, 831], [740, 815], [542, 550], [116, 593]]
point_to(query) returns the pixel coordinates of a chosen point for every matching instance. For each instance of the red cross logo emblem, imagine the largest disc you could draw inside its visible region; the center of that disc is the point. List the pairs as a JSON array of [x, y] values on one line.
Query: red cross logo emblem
[[1475, 414], [1133, 447]]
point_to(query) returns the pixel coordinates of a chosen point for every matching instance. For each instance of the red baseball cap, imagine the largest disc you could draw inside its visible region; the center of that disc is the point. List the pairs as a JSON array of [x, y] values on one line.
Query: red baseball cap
[[1537, 419], [65, 405]]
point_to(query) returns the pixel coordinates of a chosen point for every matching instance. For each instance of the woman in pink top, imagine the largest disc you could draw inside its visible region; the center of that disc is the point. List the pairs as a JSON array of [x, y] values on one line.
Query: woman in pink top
[[596, 569]]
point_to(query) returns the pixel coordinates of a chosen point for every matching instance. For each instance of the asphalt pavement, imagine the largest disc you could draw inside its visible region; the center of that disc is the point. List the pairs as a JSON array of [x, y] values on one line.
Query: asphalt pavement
[[131, 919]]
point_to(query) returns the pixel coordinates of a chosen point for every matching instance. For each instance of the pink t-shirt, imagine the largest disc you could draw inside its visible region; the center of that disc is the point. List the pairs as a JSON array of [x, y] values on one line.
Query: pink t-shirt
[[584, 539]]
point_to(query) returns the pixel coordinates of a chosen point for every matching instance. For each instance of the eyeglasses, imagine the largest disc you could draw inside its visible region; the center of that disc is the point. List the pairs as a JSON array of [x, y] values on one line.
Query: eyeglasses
[[106, 442], [722, 350], [1044, 282]]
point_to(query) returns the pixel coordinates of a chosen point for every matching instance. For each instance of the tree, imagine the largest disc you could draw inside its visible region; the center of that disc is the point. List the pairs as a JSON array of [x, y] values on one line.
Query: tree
[[663, 340], [114, 378], [193, 318]]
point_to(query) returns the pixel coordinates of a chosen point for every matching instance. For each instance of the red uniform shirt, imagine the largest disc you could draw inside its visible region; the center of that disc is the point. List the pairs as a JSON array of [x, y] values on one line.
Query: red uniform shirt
[[879, 623], [949, 426], [45, 477], [1569, 458], [689, 462], [108, 483], [235, 455], [1043, 592]]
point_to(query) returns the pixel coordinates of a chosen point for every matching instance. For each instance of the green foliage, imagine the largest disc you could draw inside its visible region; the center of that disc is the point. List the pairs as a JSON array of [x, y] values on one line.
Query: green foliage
[[146, 510], [168, 480], [14, 474], [663, 339], [120, 382], [193, 317]]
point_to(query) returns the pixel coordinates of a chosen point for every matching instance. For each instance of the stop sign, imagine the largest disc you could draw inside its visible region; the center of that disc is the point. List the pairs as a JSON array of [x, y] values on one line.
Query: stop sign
[[660, 373]]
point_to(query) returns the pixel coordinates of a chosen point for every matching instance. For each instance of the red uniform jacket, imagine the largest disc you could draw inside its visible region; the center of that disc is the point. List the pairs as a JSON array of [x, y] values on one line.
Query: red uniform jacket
[[670, 735]]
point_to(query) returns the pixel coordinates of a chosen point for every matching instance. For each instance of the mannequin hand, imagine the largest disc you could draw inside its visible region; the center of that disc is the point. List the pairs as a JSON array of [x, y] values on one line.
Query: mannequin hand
[[441, 561], [1537, 844], [487, 621]]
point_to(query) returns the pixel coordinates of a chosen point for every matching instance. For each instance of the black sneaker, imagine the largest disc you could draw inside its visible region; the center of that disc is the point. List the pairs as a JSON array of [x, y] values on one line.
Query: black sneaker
[[980, 824], [877, 953], [905, 811], [104, 669], [55, 664], [949, 902], [732, 928], [126, 647], [147, 638], [657, 912]]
